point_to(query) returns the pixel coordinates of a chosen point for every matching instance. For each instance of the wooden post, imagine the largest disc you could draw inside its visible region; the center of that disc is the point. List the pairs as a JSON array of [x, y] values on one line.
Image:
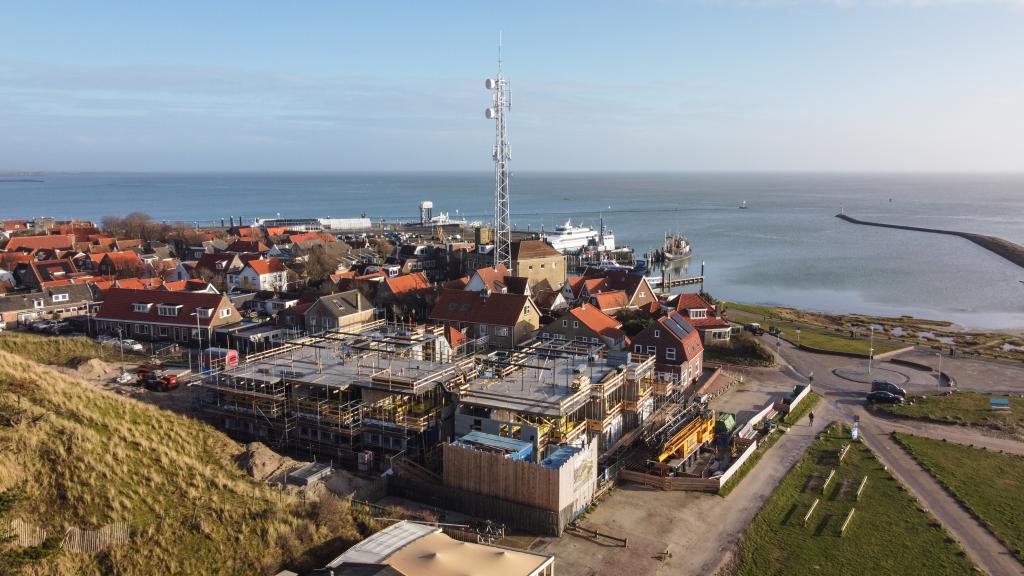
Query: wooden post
[[807, 517], [827, 480], [849, 517], [863, 483]]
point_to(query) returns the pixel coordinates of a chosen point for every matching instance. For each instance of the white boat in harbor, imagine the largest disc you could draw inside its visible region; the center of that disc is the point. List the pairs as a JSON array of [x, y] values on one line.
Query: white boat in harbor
[[743, 205], [569, 238], [675, 247]]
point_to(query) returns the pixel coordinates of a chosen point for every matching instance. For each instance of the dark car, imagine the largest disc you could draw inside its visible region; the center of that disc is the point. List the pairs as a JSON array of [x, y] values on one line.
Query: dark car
[[883, 397], [885, 386]]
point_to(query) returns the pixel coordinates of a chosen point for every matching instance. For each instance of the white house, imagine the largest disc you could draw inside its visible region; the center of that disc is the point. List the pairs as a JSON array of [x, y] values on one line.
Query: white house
[[269, 274]]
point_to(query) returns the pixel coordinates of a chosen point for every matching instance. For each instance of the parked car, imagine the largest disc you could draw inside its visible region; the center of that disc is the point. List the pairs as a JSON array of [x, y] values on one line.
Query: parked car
[[133, 345], [153, 377], [883, 397], [43, 326], [775, 331], [886, 386], [754, 328]]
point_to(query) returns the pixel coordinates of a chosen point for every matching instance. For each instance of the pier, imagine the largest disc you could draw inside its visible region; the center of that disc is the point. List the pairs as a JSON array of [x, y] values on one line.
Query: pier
[[1008, 250], [670, 282]]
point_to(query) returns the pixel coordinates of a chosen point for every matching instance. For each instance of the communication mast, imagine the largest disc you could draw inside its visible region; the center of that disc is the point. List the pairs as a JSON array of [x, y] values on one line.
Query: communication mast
[[500, 103]]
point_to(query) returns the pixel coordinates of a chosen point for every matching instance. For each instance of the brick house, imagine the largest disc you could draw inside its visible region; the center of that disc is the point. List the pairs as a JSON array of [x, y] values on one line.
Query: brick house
[[49, 303], [164, 315], [505, 319], [638, 291], [539, 263], [339, 310], [676, 344], [704, 317], [586, 325]]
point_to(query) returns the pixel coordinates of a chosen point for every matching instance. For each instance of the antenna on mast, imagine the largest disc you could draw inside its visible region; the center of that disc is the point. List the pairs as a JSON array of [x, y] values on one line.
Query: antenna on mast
[[501, 154]]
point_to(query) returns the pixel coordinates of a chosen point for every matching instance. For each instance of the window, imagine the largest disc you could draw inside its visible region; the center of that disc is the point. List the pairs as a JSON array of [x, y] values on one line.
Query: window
[[638, 348], [226, 312], [204, 312], [483, 329], [565, 323], [163, 330], [531, 266], [541, 266], [526, 309], [652, 350], [642, 293], [142, 328], [697, 313], [545, 336], [501, 331], [593, 340], [575, 324], [581, 339], [141, 307], [657, 333], [60, 297], [38, 303], [670, 353], [168, 309]]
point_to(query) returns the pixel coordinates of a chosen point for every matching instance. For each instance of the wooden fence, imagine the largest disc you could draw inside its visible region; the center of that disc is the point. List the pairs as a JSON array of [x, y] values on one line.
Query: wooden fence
[[25, 535], [92, 541]]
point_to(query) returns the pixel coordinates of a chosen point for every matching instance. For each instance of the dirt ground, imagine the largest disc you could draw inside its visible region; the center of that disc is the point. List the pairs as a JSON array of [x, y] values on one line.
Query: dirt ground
[[103, 375]]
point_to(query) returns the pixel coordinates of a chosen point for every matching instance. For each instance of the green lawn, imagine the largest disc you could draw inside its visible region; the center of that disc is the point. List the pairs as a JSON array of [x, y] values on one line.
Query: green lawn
[[811, 336], [966, 408], [889, 534], [989, 483]]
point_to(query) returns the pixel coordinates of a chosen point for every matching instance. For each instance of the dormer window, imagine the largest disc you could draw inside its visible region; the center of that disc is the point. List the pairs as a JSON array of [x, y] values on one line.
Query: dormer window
[[142, 307], [697, 313], [204, 312], [168, 309], [60, 297]]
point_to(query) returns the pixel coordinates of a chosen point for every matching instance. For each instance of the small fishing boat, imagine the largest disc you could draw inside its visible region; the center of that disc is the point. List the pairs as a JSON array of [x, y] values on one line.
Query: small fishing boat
[[676, 247]]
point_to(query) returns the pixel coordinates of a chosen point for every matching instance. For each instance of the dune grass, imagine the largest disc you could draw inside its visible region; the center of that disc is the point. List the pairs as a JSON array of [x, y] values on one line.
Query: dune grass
[[58, 350], [73, 455], [964, 408], [889, 533], [990, 484]]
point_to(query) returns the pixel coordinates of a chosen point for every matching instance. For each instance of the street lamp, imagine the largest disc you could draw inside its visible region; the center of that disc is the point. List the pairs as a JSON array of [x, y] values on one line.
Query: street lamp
[[871, 348], [199, 335], [798, 337], [939, 354]]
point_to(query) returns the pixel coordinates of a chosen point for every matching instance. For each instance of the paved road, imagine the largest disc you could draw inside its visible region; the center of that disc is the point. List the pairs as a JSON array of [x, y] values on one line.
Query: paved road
[[699, 530], [845, 398]]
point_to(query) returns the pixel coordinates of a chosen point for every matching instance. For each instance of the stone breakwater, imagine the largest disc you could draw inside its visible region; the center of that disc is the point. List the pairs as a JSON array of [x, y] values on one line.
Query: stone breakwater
[[1009, 250]]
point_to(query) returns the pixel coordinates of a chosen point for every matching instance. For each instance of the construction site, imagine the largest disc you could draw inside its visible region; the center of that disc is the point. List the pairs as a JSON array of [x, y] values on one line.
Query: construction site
[[398, 399]]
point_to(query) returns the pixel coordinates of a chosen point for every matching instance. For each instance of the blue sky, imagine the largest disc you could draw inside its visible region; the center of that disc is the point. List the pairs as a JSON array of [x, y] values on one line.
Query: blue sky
[[880, 85]]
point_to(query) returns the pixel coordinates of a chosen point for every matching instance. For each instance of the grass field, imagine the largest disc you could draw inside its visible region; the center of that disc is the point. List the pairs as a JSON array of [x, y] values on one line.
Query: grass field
[[57, 350], [988, 483], [811, 336], [889, 533], [965, 408], [72, 455]]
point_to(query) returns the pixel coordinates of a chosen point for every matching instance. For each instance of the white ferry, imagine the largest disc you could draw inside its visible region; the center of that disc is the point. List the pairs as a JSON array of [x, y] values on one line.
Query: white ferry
[[569, 238]]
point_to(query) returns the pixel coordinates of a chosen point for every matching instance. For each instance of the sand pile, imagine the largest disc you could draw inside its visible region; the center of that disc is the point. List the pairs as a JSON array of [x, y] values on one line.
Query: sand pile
[[264, 464], [94, 369]]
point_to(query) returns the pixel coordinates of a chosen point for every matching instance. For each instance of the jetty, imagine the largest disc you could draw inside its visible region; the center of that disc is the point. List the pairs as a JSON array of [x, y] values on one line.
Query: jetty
[[1009, 250]]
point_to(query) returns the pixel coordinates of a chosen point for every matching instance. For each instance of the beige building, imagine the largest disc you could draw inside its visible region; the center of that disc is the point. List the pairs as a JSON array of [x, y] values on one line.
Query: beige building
[[539, 263]]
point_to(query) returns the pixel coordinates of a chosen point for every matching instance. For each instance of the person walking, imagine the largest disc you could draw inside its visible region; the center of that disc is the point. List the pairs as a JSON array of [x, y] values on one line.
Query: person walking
[[810, 416]]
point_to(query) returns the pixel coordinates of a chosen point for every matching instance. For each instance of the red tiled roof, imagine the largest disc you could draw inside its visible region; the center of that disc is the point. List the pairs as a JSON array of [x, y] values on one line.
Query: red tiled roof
[[493, 277], [268, 266], [122, 259], [454, 336], [55, 242], [598, 321], [476, 308], [690, 300], [247, 246], [525, 249], [408, 283], [139, 283], [118, 305], [612, 300], [457, 284], [307, 236]]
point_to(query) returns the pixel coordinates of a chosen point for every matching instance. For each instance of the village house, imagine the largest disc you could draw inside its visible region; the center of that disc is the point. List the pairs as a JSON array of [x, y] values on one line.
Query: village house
[[268, 275], [539, 262], [495, 279], [704, 317], [506, 320], [35, 273], [121, 265], [586, 325], [33, 243], [405, 296], [585, 288], [50, 303], [340, 310], [163, 315], [676, 346]]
